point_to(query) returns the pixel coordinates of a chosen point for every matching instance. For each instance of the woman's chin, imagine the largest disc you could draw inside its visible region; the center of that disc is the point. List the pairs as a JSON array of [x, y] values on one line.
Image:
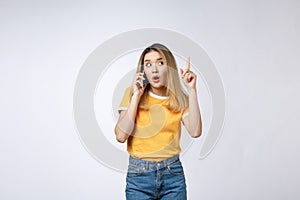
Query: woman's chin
[[157, 85]]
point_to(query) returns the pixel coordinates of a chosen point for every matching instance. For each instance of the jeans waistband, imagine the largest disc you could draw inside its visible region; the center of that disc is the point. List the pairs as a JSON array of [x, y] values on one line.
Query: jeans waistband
[[151, 164]]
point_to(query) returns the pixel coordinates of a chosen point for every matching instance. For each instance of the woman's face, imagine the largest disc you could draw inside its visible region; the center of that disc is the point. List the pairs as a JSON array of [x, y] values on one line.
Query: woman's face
[[155, 69]]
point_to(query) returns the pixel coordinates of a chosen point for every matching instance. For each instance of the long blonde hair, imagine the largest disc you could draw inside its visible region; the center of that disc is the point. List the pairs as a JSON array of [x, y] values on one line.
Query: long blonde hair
[[178, 100]]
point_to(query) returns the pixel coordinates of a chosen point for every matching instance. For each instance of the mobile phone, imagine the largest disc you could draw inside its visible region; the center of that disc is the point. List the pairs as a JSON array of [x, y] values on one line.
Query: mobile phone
[[146, 81]]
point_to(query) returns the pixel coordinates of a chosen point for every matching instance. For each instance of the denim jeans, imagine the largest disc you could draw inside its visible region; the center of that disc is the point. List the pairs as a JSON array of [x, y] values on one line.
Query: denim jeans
[[147, 180]]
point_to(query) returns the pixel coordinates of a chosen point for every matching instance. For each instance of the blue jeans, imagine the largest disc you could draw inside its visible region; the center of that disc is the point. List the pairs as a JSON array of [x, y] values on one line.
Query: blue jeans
[[162, 180]]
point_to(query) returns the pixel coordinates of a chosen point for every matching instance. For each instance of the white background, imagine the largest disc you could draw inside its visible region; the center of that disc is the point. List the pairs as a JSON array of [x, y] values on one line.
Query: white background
[[254, 45]]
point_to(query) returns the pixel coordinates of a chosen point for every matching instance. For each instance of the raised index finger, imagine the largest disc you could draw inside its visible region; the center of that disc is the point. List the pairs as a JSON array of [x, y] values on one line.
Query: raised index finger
[[188, 64]]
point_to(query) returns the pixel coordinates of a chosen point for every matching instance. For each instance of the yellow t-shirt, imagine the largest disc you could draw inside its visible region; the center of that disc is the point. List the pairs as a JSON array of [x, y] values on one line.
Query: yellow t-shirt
[[158, 130]]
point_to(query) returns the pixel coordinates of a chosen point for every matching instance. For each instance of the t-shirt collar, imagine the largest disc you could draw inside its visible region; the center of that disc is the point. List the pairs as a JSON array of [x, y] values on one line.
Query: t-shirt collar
[[157, 96]]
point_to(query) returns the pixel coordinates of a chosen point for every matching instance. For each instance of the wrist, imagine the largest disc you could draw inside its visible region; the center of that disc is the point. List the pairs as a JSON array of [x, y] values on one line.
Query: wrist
[[136, 96], [192, 91]]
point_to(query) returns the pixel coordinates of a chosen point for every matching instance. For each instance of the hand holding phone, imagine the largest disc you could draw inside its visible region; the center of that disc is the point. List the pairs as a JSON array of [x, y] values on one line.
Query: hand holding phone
[[145, 81]]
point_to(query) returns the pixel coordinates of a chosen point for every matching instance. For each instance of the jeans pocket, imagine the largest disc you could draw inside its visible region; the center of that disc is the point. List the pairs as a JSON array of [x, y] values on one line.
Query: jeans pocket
[[175, 168], [134, 171]]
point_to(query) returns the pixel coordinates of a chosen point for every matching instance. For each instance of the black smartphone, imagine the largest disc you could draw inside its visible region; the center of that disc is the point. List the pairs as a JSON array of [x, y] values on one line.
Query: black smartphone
[[146, 81]]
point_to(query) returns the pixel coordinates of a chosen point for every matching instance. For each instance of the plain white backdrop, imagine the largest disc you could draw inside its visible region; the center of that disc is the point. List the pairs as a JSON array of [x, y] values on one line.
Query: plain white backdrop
[[254, 44]]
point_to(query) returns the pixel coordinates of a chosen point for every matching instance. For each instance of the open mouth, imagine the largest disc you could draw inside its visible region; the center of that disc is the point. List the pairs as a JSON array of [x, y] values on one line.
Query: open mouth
[[155, 79]]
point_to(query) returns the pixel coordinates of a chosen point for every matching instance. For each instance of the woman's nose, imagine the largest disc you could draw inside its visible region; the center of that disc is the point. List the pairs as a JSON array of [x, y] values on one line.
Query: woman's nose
[[154, 68]]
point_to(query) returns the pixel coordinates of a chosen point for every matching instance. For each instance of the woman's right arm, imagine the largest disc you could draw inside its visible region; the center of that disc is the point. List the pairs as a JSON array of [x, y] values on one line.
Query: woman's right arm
[[126, 122]]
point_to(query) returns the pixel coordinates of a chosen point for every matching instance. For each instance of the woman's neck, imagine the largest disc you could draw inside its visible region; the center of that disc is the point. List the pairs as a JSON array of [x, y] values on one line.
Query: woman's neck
[[159, 91]]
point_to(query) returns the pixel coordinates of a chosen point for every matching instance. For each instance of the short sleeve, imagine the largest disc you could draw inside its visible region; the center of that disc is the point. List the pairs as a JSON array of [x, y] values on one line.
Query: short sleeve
[[125, 101]]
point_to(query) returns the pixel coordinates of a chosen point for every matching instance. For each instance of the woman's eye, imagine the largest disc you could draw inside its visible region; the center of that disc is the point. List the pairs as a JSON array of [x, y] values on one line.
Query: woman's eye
[[148, 65], [161, 63]]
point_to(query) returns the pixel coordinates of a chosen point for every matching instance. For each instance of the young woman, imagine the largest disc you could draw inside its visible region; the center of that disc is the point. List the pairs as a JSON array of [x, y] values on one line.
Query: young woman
[[150, 121]]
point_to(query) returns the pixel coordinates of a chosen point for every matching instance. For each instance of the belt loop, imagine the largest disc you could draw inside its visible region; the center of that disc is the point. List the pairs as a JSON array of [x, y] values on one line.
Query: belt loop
[[166, 163]]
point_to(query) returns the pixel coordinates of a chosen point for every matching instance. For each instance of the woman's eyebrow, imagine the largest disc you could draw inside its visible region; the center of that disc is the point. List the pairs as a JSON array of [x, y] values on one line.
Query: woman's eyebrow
[[150, 60]]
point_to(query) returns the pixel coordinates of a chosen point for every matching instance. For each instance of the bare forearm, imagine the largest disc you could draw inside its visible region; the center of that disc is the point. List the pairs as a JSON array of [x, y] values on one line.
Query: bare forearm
[[194, 117], [126, 122]]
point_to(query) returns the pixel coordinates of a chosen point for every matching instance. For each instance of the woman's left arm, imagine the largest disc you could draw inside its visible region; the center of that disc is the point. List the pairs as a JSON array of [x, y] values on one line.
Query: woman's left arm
[[192, 121]]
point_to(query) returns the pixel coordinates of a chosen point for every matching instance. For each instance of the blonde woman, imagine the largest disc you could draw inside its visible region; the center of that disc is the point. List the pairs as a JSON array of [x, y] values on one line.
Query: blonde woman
[[151, 113]]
